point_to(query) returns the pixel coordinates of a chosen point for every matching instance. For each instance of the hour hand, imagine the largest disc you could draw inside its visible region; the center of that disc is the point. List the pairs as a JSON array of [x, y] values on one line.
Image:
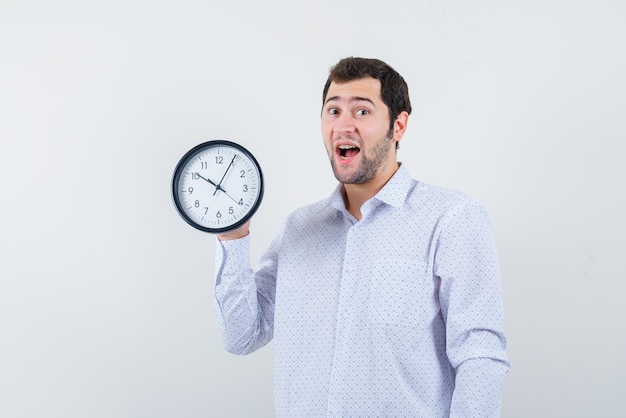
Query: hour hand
[[205, 179], [217, 186]]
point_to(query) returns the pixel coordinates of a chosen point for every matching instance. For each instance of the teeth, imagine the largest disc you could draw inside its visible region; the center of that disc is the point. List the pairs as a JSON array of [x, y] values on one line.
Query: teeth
[[344, 148]]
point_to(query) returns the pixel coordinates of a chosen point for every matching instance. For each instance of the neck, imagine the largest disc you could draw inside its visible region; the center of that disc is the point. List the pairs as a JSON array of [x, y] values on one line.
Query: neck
[[354, 195]]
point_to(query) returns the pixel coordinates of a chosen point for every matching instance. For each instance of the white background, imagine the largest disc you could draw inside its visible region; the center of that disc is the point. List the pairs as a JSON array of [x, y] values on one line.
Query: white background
[[105, 293]]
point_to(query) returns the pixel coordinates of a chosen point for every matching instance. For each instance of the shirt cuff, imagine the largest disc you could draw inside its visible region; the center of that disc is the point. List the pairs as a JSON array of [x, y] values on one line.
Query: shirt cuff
[[232, 256]]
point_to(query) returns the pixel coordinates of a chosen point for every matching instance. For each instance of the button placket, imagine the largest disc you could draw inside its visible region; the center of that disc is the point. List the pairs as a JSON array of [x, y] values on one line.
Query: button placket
[[348, 272]]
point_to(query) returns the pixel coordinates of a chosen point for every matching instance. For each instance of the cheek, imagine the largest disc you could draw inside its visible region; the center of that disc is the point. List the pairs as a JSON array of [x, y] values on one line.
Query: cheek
[[325, 127], [328, 146], [375, 132], [326, 134]]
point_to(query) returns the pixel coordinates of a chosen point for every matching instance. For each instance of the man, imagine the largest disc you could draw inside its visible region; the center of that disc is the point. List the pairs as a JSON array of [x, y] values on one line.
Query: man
[[382, 300]]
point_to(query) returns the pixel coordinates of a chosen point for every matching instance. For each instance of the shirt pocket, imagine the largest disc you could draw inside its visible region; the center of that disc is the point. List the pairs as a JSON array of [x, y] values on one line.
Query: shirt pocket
[[399, 292]]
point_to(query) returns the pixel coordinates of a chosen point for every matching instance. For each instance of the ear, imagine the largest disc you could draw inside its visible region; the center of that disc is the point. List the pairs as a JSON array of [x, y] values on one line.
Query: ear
[[400, 125]]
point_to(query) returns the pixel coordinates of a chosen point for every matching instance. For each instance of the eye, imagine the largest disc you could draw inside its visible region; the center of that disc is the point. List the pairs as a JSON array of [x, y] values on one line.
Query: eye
[[333, 111], [362, 112]]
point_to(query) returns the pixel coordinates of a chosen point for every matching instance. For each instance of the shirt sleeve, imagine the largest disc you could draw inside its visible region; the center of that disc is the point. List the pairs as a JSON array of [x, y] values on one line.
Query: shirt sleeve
[[471, 303], [244, 298]]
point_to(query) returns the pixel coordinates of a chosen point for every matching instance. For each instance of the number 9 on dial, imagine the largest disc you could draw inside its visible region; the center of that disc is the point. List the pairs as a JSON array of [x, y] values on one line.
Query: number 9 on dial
[[217, 186]]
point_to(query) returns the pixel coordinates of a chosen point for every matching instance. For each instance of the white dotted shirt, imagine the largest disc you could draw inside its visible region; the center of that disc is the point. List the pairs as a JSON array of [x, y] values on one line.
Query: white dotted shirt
[[396, 315]]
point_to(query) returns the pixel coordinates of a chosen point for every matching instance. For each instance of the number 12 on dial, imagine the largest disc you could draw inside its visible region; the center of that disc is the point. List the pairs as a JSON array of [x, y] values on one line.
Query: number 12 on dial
[[217, 186]]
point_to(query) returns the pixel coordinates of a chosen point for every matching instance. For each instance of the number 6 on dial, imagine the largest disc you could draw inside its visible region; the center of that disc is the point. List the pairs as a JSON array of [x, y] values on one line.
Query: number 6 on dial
[[217, 186]]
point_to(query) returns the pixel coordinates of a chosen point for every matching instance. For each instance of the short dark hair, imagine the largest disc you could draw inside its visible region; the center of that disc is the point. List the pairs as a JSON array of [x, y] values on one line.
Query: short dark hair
[[393, 89]]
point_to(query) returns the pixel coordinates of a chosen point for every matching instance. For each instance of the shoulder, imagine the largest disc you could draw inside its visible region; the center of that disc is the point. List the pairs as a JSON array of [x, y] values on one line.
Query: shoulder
[[438, 198], [309, 225], [444, 207], [314, 212]]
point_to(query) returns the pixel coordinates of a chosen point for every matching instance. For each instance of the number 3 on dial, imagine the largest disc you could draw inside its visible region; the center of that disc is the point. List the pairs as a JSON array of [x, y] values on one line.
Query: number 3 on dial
[[217, 186]]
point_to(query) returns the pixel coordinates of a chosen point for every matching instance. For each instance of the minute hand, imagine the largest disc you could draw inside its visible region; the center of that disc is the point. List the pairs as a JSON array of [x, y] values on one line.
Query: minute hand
[[219, 185]]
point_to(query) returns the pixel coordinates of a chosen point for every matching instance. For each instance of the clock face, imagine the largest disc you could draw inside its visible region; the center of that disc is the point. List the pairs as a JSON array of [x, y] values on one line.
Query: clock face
[[217, 186]]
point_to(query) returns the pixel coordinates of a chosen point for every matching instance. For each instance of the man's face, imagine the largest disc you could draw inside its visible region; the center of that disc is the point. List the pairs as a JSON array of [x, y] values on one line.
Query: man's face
[[355, 128]]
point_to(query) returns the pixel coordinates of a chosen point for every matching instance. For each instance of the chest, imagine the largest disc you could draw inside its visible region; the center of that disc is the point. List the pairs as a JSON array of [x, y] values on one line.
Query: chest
[[374, 272]]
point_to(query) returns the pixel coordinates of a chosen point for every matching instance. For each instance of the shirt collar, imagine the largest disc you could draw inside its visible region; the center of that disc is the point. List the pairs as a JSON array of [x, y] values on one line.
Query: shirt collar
[[397, 188], [393, 193]]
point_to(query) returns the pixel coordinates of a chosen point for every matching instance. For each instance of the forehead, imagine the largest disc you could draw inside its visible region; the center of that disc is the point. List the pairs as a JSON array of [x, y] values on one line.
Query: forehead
[[363, 88]]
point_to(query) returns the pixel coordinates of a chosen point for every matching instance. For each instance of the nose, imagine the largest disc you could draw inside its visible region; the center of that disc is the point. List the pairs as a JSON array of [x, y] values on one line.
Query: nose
[[344, 124]]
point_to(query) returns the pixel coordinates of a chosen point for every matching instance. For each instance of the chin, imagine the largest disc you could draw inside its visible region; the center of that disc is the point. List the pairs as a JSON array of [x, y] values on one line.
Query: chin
[[353, 178]]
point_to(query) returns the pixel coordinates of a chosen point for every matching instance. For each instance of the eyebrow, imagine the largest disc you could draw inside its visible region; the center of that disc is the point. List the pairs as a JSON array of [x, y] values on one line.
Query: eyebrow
[[351, 99]]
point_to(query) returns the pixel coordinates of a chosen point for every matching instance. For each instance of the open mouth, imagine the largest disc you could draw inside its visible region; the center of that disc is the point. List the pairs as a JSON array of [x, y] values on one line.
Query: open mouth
[[347, 152]]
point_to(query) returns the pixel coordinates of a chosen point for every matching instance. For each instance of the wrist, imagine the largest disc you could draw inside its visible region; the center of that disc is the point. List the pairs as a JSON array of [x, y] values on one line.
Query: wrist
[[238, 233]]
